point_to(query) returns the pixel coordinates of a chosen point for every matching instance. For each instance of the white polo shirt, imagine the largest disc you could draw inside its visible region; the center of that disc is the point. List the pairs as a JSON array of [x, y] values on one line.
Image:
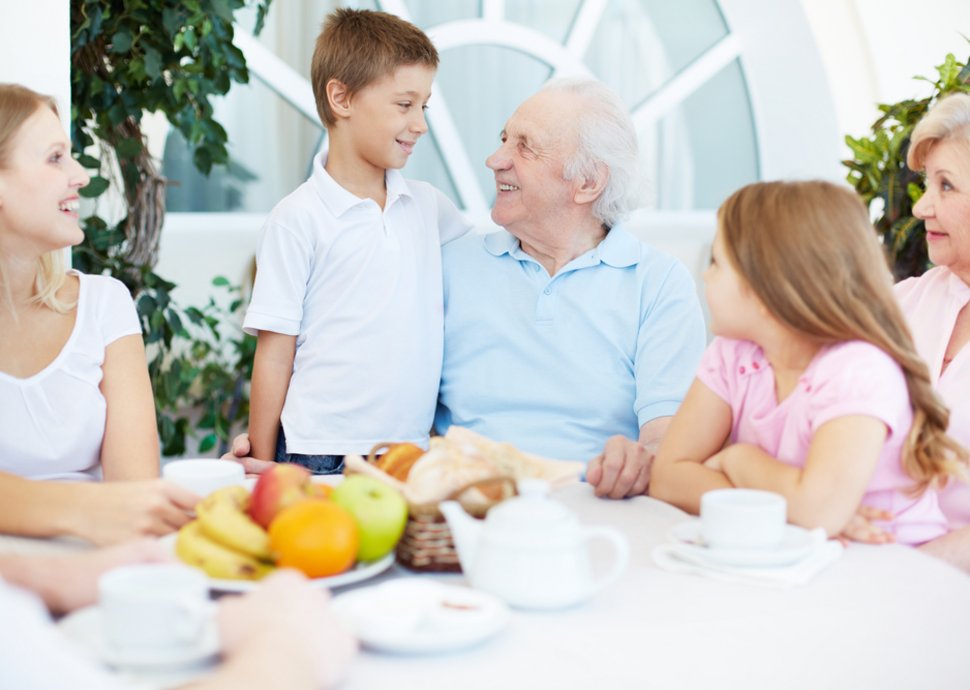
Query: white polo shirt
[[360, 287]]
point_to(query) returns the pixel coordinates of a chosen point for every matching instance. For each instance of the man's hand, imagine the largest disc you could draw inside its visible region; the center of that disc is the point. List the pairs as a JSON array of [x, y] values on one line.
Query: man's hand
[[240, 451], [622, 469]]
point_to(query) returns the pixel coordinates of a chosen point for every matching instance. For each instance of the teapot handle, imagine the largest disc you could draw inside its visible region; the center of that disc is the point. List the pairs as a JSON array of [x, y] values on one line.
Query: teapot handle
[[622, 552]]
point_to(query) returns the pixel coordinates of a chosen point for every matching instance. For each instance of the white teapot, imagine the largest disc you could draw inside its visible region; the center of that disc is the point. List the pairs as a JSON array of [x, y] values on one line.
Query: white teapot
[[531, 551]]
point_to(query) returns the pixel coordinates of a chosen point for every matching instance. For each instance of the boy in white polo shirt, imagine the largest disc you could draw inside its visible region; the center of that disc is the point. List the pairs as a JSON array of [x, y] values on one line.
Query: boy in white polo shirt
[[347, 304]]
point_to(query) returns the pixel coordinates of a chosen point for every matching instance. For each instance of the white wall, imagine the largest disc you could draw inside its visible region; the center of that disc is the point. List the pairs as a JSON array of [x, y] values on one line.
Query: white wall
[[35, 48]]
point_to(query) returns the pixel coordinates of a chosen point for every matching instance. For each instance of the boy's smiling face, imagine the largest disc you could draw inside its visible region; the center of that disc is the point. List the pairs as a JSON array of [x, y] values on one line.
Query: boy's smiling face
[[385, 119]]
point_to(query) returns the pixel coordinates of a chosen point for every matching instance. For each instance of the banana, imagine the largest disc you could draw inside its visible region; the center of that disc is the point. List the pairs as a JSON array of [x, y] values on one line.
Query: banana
[[192, 546], [222, 518]]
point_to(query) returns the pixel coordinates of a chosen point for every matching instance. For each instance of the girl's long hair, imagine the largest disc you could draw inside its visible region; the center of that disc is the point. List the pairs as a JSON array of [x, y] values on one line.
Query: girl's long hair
[[809, 252], [17, 105]]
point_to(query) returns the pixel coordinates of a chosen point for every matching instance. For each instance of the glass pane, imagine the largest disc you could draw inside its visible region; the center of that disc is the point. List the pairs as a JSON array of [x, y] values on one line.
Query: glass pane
[[427, 14], [427, 164], [653, 40], [550, 17], [482, 85], [695, 164], [270, 148]]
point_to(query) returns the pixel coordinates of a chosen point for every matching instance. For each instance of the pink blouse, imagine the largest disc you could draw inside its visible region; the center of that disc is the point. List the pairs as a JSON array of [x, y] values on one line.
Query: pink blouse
[[851, 378], [931, 304]]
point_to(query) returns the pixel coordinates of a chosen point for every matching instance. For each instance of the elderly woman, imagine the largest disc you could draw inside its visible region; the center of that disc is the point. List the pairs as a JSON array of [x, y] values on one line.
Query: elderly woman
[[936, 303], [75, 395]]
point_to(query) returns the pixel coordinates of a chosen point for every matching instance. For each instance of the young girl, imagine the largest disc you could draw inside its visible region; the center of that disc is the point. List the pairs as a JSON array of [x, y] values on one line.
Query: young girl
[[812, 388], [75, 397]]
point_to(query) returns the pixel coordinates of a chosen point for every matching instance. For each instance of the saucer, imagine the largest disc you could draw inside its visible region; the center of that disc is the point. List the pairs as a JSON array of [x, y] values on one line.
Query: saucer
[[86, 627], [413, 616], [796, 543]]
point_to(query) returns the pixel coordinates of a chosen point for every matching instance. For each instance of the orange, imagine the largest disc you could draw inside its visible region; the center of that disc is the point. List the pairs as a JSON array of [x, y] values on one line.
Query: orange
[[317, 537]]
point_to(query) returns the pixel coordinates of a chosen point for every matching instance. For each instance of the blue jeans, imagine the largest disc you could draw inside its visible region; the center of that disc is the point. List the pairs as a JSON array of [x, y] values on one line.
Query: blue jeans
[[318, 464]]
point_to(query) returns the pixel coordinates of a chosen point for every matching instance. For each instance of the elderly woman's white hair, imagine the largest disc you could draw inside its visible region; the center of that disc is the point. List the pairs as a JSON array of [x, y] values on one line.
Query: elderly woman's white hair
[[607, 137], [948, 119]]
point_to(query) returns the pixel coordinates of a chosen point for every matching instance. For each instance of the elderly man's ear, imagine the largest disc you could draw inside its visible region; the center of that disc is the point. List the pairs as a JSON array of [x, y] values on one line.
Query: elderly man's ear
[[592, 187]]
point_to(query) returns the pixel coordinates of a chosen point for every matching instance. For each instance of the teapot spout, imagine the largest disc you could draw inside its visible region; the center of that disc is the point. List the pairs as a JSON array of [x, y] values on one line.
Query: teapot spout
[[465, 532]]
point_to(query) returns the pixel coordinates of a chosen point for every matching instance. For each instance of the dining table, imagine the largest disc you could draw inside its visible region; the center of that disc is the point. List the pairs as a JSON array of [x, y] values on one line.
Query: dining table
[[882, 617]]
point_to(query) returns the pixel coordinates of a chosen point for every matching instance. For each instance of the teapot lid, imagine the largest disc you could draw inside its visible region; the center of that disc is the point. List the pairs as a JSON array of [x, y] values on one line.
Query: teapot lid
[[532, 510]]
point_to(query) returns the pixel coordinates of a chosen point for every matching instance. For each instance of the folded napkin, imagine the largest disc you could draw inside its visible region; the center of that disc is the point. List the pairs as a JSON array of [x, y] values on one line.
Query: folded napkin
[[679, 558]]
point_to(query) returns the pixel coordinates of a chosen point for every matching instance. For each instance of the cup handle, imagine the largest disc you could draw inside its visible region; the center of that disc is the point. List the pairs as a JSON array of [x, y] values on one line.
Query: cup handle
[[620, 546], [195, 616]]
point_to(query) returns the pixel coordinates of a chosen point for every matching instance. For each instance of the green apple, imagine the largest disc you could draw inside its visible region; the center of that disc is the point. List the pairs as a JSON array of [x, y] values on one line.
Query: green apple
[[380, 511]]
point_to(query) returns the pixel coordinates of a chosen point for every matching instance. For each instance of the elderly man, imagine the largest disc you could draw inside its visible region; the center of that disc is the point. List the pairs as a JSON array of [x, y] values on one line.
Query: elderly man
[[564, 334]]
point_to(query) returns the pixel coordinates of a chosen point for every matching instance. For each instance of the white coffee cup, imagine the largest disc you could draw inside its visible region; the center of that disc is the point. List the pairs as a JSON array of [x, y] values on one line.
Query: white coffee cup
[[204, 475], [743, 518], [156, 608]]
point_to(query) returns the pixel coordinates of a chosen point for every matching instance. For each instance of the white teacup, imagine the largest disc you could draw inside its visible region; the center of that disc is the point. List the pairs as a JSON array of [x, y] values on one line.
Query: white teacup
[[158, 608], [743, 518], [204, 475]]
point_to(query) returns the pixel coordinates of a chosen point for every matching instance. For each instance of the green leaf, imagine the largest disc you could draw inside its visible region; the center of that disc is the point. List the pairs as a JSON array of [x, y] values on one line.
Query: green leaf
[[220, 281], [129, 148], [121, 41], [153, 63], [89, 161], [207, 443], [94, 188]]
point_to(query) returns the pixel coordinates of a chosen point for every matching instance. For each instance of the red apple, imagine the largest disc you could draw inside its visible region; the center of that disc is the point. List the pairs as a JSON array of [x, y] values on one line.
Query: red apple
[[280, 487]]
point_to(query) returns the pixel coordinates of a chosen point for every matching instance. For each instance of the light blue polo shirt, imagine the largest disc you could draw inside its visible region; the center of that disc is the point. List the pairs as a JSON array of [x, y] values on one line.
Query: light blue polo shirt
[[558, 365]]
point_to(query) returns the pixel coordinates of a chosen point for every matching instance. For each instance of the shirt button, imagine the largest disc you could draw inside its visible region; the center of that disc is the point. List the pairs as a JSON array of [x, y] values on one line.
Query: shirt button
[[547, 291], [755, 366], [741, 370]]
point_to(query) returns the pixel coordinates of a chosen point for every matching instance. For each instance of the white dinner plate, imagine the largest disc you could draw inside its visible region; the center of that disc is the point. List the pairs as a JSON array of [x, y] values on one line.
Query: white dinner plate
[[86, 627], [416, 616], [796, 544], [359, 573]]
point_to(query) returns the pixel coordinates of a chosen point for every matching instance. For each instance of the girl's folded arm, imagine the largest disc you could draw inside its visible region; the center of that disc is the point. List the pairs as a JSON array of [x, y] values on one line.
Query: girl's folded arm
[[698, 430], [825, 493]]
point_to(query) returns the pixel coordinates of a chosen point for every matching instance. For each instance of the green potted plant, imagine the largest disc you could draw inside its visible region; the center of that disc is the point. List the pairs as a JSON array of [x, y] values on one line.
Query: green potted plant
[[879, 173], [128, 58]]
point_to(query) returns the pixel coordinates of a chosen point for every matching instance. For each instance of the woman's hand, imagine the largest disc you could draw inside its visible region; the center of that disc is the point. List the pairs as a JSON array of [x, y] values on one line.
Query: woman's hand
[[286, 634], [69, 581], [113, 512]]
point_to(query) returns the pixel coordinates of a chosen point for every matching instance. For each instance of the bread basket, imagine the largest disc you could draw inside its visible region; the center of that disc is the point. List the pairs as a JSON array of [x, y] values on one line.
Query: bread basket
[[492, 470]]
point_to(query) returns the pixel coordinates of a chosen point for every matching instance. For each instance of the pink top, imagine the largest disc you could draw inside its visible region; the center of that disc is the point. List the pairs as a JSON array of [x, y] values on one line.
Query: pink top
[[852, 378], [931, 303]]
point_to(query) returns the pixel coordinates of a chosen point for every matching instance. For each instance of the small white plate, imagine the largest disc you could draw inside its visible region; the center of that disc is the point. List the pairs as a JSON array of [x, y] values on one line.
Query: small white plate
[[86, 626], [796, 544], [359, 573], [415, 616]]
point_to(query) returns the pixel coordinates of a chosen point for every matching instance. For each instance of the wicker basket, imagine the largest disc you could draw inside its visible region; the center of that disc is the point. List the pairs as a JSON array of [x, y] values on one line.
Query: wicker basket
[[427, 545]]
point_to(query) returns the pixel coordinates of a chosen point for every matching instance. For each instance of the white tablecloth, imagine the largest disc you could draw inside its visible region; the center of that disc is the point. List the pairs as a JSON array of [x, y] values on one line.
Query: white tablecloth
[[881, 617]]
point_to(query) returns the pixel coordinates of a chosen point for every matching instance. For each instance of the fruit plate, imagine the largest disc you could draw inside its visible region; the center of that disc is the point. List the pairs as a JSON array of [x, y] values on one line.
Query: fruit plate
[[359, 573]]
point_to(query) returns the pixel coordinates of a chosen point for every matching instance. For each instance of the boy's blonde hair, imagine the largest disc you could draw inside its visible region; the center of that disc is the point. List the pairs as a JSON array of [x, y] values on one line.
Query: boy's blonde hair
[[810, 254], [358, 47], [949, 119], [17, 105]]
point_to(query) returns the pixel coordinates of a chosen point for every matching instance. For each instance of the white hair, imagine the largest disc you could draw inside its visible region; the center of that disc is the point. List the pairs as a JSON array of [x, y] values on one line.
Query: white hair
[[948, 119], [606, 137]]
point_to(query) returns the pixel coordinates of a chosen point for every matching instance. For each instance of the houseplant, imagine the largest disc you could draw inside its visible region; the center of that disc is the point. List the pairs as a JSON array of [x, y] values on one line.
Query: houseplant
[[131, 57], [879, 173]]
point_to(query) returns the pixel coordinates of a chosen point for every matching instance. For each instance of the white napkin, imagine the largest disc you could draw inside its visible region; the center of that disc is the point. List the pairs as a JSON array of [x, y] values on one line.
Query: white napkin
[[678, 559]]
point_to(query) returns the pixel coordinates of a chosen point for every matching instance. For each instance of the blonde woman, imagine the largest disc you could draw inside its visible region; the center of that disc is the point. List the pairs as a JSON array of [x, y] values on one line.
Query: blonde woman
[[74, 388], [812, 388]]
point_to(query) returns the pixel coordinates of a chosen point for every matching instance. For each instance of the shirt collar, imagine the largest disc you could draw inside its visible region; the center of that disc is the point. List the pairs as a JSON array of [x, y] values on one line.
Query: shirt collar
[[957, 288], [338, 200], [618, 249]]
